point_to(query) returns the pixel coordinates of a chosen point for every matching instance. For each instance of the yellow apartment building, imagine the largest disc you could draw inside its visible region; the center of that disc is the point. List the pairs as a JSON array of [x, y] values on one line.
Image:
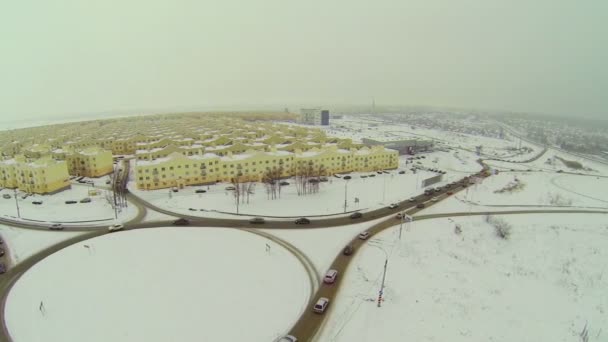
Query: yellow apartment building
[[178, 170], [90, 162], [42, 176]]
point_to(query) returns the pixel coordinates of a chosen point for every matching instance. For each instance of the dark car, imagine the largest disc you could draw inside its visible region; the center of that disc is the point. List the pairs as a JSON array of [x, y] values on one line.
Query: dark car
[[379, 172], [313, 180], [181, 222], [71, 202], [401, 172], [356, 215], [324, 179], [1, 252], [302, 220], [2, 269], [257, 220], [372, 175], [348, 250], [420, 205], [363, 176], [347, 177], [284, 183], [200, 191], [37, 202]]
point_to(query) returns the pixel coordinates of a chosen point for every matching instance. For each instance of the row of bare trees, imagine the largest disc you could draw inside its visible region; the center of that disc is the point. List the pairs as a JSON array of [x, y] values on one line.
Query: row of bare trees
[[308, 177]]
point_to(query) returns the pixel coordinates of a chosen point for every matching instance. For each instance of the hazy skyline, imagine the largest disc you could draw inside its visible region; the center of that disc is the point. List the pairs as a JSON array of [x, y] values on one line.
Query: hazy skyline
[[68, 57]]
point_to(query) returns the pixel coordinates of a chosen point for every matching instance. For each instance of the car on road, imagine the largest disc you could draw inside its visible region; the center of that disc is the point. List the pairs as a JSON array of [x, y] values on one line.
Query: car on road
[[348, 250], [115, 227], [37, 202], [200, 191], [192, 209], [257, 220], [181, 222], [6, 196], [364, 235], [302, 220], [393, 206], [71, 202], [2, 268], [450, 192], [321, 305], [356, 215], [85, 200], [434, 199], [420, 205], [56, 226], [330, 277], [287, 338], [412, 199]]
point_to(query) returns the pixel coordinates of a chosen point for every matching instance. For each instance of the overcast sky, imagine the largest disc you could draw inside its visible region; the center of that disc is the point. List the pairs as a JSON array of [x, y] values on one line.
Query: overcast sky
[[63, 57]]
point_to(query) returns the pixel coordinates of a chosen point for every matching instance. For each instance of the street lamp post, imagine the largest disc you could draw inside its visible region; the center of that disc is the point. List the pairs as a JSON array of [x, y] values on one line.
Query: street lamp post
[[17, 204], [381, 292], [345, 194]]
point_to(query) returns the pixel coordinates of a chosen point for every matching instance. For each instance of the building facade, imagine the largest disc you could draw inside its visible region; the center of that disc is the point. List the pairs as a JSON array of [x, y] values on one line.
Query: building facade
[[42, 176], [314, 116]]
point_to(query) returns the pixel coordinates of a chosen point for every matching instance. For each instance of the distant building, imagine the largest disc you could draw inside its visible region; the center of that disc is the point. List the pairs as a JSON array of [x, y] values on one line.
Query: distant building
[[314, 116], [404, 146]]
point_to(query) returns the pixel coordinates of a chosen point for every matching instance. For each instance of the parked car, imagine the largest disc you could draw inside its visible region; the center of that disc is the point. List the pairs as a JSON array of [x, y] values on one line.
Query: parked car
[[324, 179], [313, 180], [115, 227], [37, 202], [363, 176], [434, 199], [257, 220], [330, 277], [379, 172], [420, 205], [356, 215], [85, 200], [71, 202], [347, 177], [181, 222], [200, 191], [284, 183], [372, 175], [321, 305], [230, 188], [108, 181], [393, 206], [7, 196], [348, 250], [56, 226], [364, 235], [450, 192], [191, 209], [412, 199], [337, 176], [401, 172], [287, 338], [302, 220]]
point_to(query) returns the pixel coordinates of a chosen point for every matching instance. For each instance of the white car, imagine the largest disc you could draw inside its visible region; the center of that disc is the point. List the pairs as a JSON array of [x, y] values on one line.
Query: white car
[[115, 227], [364, 235], [321, 305], [287, 338], [393, 206], [412, 199], [434, 199], [330, 277]]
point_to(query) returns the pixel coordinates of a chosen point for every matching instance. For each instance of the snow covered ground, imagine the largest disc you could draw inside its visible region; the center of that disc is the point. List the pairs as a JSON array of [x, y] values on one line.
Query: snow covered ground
[[545, 283], [21, 243], [167, 284], [371, 192], [54, 209]]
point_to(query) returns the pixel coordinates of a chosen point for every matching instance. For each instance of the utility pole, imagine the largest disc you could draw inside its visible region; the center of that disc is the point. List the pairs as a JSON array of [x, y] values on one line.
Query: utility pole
[[17, 204], [382, 286], [401, 225]]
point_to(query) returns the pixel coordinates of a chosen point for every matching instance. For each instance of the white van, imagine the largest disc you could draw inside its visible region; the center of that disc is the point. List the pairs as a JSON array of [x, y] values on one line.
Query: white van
[[321, 305], [330, 277]]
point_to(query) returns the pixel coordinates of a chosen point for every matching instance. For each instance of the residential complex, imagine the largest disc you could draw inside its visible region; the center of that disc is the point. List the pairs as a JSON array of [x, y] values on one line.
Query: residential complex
[[314, 116], [188, 149]]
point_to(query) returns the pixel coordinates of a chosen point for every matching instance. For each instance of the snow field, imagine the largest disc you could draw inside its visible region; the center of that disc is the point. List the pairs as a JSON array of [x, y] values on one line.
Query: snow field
[[158, 285]]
